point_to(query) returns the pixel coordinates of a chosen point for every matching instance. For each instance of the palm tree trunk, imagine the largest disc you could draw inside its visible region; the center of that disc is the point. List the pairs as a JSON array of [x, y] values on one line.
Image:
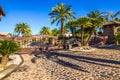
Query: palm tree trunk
[[88, 39], [82, 36], [62, 31], [22, 39], [74, 30], [79, 33], [4, 61], [62, 26]]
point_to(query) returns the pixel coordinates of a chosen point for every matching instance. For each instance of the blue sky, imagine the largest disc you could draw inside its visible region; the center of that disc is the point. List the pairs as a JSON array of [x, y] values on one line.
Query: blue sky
[[35, 12]]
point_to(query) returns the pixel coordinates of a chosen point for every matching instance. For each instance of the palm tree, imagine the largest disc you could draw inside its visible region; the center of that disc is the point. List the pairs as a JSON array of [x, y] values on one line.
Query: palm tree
[[61, 13], [83, 22], [23, 29], [55, 32], [45, 30], [6, 48], [96, 18], [72, 26], [112, 15]]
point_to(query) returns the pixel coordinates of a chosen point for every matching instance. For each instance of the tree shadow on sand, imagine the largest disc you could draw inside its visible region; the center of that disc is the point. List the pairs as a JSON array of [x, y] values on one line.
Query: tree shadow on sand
[[53, 56], [113, 47], [70, 65]]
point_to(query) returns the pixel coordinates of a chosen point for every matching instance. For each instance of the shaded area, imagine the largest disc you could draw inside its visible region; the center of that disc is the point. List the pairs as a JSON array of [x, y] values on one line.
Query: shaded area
[[54, 56], [35, 43], [70, 65], [82, 57], [115, 47]]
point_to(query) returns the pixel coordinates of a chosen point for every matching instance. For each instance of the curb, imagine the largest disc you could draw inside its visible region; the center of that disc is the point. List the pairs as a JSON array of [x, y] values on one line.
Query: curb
[[9, 67]]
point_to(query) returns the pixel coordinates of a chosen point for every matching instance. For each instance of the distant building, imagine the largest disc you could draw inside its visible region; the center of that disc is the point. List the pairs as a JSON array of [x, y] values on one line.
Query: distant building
[[5, 34], [110, 29], [68, 34]]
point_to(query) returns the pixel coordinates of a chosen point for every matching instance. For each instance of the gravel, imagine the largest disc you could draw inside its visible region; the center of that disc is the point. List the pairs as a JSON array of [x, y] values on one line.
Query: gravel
[[101, 64]]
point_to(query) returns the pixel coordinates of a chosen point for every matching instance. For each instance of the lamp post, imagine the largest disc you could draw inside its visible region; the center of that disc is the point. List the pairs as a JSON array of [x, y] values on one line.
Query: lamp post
[[2, 13]]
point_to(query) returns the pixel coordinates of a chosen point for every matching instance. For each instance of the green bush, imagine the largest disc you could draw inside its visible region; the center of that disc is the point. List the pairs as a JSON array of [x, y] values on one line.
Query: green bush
[[6, 48], [117, 38]]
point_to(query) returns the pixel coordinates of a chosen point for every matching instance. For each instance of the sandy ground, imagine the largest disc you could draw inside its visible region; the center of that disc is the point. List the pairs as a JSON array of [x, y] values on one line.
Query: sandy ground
[[101, 64]]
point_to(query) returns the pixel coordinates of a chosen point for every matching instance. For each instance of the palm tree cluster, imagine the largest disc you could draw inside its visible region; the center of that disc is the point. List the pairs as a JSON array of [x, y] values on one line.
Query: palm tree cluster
[[47, 31], [87, 25], [63, 15]]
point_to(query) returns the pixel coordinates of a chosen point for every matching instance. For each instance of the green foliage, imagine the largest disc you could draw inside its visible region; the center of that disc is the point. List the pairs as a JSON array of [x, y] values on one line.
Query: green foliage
[[117, 19], [118, 30], [61, 13], [55, 32], [100, 33], [8, 47], [83, 21], [96, 18], [45, 30], [71, 23], [112, 16], [23, 29], [117, 38]]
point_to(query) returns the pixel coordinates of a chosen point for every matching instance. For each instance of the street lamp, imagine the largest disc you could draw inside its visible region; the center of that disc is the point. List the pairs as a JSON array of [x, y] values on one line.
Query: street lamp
[[2, 13]]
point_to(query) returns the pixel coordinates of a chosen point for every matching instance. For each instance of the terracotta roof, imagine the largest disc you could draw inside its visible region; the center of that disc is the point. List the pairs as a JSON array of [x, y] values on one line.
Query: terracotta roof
[[25, 38], [1, 11], [5, 38], [111, 23], [16, 38]]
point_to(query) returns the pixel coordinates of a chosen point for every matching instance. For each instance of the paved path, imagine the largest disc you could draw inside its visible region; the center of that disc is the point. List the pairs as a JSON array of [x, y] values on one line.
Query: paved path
[[7, 71], [11, 66]]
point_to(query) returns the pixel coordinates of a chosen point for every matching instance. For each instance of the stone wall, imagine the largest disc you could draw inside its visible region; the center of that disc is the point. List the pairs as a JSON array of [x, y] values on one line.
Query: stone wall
[[109, 31]]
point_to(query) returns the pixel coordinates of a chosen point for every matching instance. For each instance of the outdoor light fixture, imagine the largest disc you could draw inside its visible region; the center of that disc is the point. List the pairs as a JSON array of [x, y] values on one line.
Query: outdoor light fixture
[[1, 13]]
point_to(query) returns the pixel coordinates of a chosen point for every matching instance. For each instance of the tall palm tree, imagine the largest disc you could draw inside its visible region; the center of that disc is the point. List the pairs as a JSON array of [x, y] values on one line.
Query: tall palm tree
[[7, 48], [61, 13], [23, 29], [45, 30]]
